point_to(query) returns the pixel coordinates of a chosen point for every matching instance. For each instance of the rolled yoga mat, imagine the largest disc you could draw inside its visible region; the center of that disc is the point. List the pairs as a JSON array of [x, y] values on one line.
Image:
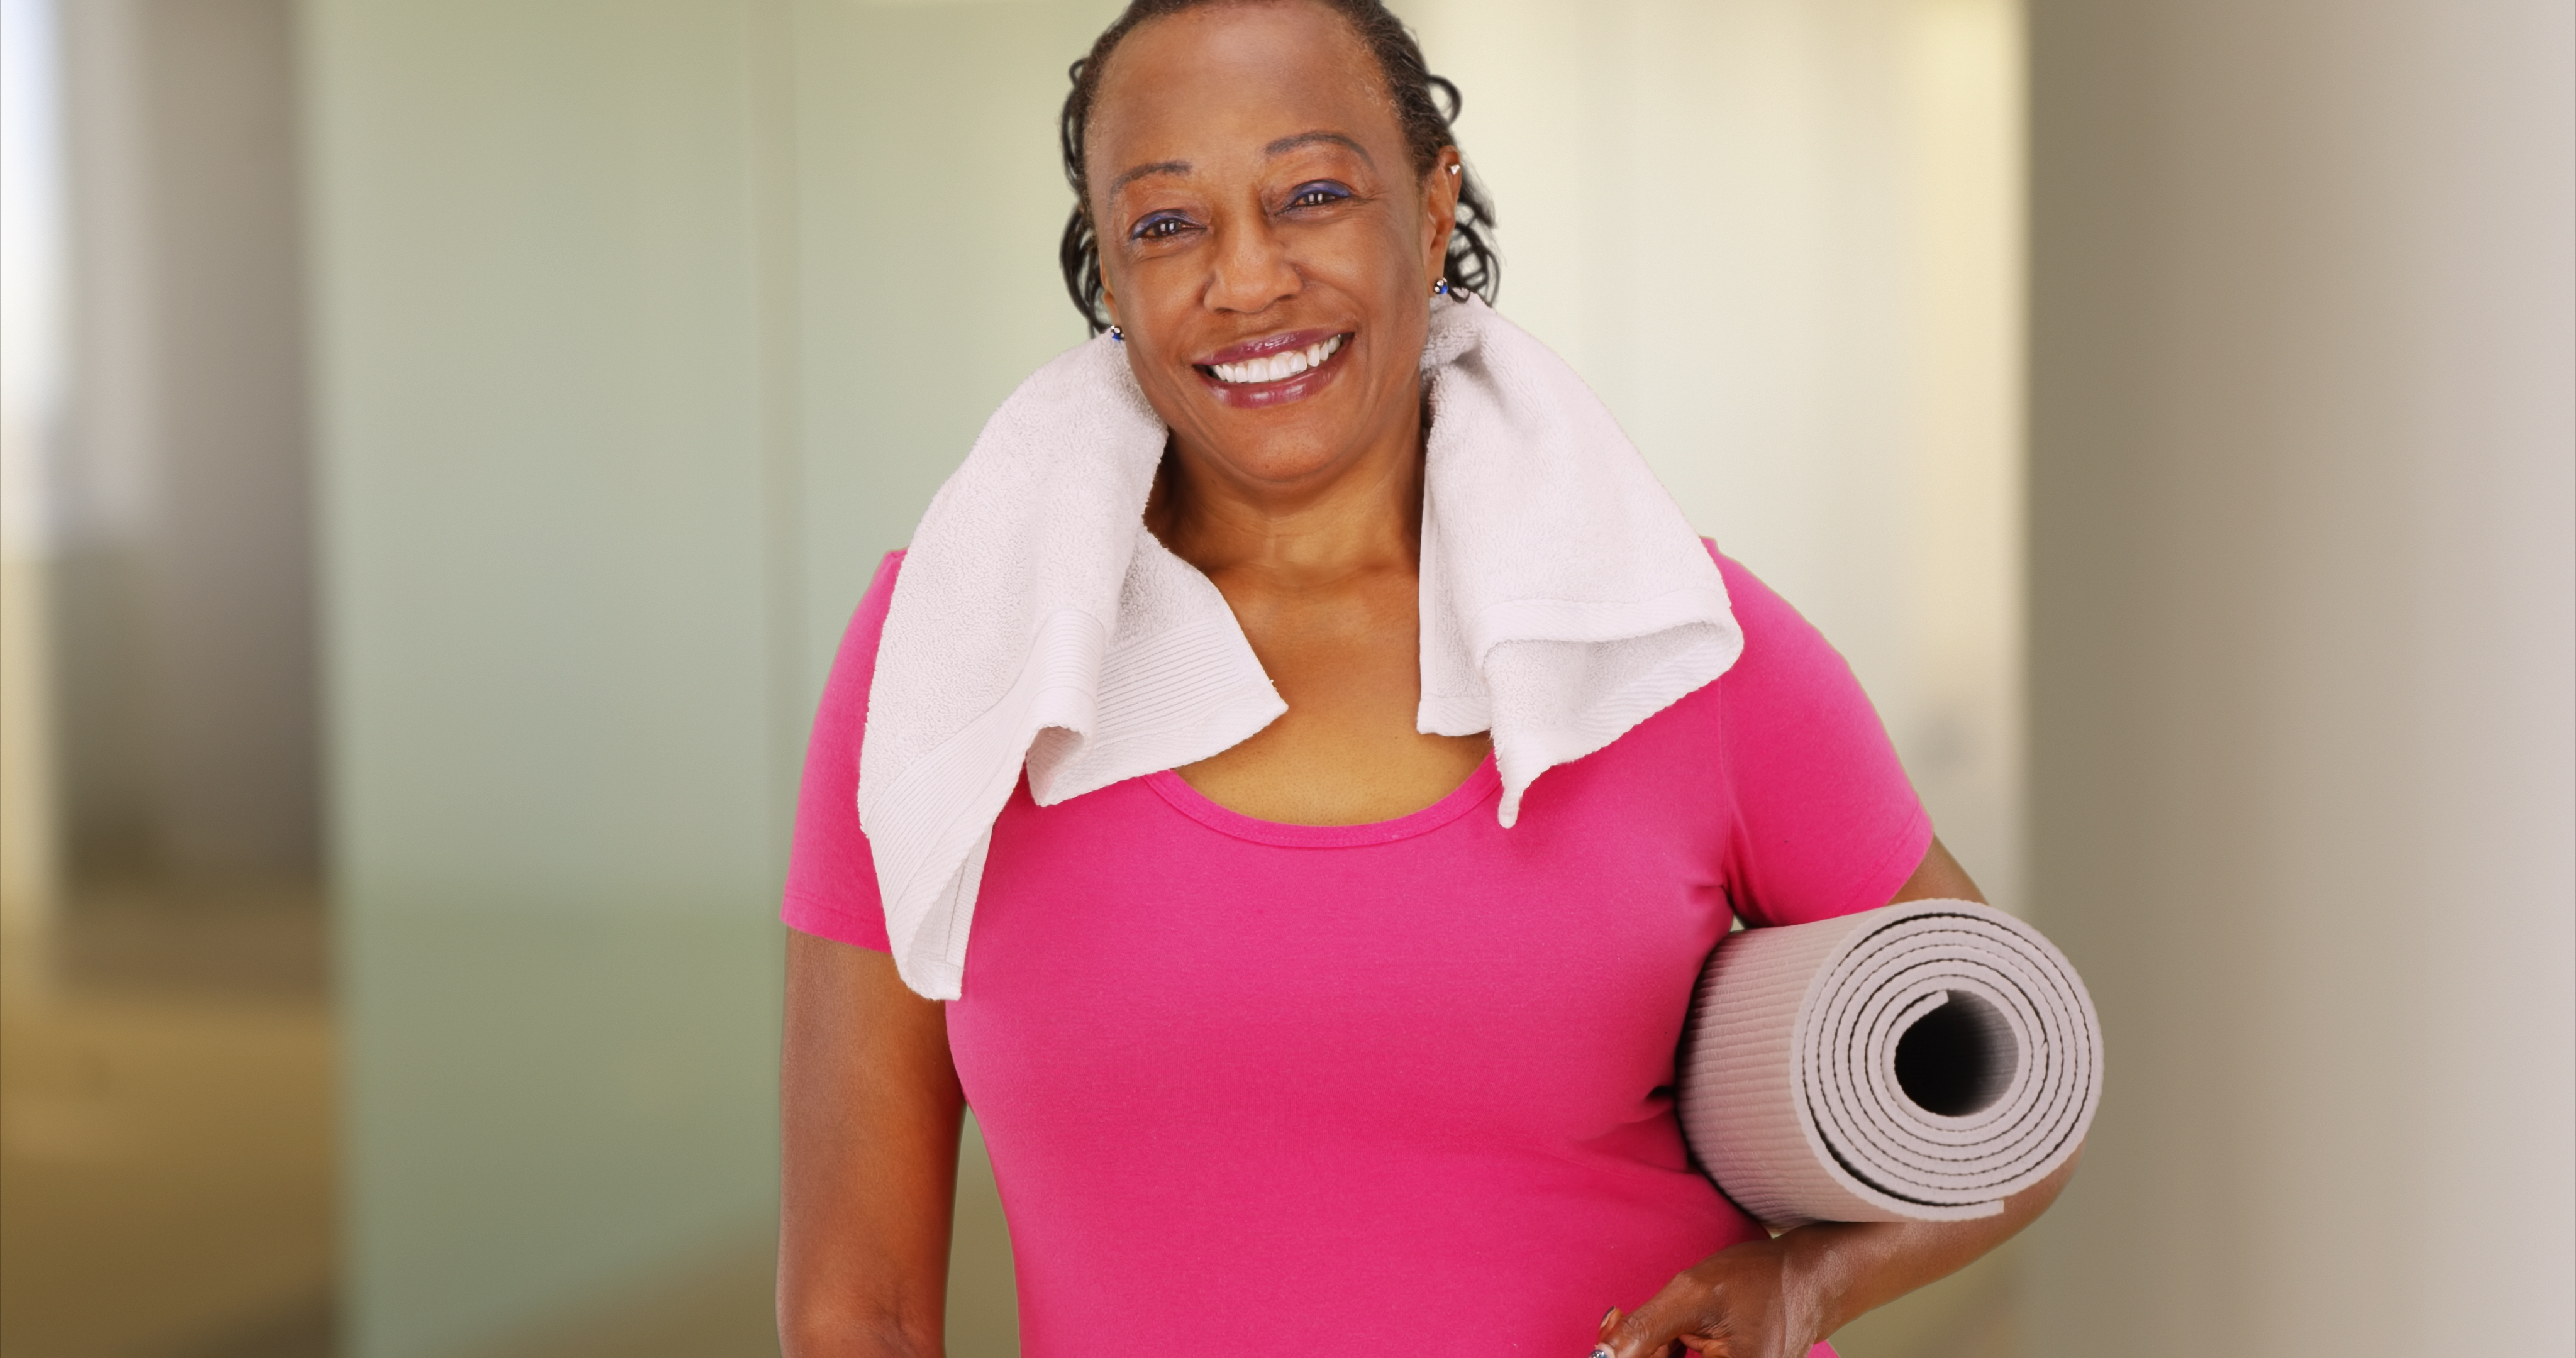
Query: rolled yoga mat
[[1919, 1062]]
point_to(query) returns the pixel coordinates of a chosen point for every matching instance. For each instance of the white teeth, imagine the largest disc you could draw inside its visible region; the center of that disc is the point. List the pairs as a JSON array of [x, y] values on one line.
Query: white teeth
[[1277, 366]]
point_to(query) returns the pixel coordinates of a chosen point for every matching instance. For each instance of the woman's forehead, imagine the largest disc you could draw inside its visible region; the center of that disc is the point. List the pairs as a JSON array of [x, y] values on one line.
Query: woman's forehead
[[1229, 82]]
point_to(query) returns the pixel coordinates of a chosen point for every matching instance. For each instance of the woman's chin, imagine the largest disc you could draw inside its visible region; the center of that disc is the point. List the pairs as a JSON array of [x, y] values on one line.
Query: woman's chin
[[1284, 453]]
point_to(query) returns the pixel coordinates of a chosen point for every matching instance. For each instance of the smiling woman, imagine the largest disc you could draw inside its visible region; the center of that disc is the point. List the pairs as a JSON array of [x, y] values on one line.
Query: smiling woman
[[1185, 709], [1263, 201]]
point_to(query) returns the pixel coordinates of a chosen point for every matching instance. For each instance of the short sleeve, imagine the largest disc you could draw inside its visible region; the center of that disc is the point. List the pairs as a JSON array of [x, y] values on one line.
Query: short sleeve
[[1825, 821], [831, 876]]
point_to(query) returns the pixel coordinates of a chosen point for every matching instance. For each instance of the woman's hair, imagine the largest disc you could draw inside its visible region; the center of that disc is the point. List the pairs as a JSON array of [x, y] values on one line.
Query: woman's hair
[[1419, 98]]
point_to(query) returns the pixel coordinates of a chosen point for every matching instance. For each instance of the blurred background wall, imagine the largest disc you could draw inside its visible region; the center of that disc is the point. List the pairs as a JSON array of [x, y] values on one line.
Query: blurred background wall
[[183, 573], [2303, 570], [31, 362], [649, 328], [160, 466], [1782, 239], [166, 1140], [538, 383]]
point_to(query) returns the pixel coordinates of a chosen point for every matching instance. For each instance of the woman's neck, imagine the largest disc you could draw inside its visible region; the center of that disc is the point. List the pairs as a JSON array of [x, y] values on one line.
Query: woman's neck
[[1360, 516]]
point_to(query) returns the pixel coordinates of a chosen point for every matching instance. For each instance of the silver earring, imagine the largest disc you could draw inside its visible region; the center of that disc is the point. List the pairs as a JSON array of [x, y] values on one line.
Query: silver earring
[[1441, 288], [1117, 334]]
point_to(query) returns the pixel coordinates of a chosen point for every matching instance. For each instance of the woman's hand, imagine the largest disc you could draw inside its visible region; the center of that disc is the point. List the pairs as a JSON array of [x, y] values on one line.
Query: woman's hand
[[1777, 1298], [1746, 1302]]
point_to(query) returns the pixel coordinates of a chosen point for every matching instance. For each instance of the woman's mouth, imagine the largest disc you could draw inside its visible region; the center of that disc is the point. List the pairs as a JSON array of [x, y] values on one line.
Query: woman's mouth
[[1273, 371], [1276, 367]]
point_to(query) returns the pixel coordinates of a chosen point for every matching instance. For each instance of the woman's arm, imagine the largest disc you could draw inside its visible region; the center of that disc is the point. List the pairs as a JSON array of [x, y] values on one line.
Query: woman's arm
[[868, 1108], [1776, 1298]]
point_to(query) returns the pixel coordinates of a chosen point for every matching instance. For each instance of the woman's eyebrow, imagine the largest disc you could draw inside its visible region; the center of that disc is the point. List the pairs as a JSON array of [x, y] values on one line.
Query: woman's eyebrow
[[1277, 148], [1142, 171], [1285, 145]]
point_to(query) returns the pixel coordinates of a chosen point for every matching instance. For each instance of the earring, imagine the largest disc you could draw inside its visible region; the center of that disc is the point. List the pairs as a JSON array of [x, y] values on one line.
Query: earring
[[1441, 288], [1117, 334]]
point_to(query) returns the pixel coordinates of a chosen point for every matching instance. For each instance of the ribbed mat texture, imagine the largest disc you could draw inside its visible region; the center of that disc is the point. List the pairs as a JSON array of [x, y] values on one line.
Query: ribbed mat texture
[[1921, 1062]]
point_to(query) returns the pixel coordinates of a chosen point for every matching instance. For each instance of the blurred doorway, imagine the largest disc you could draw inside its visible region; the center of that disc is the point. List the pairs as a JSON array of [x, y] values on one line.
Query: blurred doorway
[[166, 1091]]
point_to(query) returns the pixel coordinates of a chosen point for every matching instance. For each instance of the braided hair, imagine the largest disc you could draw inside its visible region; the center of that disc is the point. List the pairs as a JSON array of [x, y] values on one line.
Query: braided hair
[[1425, 106]]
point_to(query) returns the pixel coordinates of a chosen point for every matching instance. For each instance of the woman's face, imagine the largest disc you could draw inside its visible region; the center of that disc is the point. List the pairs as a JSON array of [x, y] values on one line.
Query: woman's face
[[1258, 213]]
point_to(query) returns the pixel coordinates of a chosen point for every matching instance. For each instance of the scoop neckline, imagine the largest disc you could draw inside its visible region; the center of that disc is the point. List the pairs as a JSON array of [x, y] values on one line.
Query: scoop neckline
[[1191, 802]]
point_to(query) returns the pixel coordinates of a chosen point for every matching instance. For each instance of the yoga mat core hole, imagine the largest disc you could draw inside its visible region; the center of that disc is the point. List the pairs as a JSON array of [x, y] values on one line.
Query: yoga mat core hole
[[1957, 1059]]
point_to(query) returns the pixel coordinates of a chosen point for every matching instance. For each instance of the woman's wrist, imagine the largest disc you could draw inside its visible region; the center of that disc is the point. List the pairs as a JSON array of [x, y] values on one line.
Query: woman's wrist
[[1815, 1276]]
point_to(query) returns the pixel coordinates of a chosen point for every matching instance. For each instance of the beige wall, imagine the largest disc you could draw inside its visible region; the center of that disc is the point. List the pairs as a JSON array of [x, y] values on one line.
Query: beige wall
[[1781, 239], [2303, 571], [547, 384]]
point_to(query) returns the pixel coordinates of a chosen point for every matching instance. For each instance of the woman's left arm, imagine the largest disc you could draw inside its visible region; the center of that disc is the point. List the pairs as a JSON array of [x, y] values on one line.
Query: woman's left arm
[[1776, 1298]]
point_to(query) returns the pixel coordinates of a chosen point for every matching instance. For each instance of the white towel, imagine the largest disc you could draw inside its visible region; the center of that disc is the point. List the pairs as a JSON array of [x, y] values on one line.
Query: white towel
[[1564, 600]]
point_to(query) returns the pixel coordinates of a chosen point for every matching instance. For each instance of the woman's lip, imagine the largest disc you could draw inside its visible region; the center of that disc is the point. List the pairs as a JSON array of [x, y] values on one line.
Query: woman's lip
[[1266, 346], [1295, 387]]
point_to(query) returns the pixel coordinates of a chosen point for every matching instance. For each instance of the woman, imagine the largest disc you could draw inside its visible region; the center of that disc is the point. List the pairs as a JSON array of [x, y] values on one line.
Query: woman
[[1296, 1043]]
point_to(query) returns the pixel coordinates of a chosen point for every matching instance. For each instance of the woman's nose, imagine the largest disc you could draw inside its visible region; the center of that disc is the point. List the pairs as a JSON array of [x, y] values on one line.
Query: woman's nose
[[1252, 269]]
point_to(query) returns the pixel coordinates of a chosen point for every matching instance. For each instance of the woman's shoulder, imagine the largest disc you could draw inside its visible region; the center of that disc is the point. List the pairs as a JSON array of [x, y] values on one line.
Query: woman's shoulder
[[1827, 820], [842, 712], [1779, 643], [1787, 697], [871, 611], [857, 656], [831, 888], [1755, 604]]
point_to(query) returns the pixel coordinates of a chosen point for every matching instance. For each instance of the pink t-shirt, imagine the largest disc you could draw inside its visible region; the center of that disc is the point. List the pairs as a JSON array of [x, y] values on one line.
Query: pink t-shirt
[[1403, 1087]]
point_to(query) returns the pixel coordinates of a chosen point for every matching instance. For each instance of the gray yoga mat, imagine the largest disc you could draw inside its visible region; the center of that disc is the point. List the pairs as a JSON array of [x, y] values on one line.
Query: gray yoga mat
[[1922, 1061]]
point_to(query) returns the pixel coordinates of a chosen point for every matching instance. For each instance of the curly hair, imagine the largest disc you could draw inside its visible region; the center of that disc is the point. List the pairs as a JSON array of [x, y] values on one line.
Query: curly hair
[[1425, 105]]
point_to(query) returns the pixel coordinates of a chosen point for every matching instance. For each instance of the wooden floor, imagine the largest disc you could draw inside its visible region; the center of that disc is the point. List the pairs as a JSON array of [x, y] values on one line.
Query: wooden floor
[[166, 1131]]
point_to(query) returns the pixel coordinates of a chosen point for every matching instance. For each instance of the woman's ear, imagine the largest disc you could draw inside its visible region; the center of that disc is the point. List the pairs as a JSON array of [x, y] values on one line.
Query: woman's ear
[[1440, 209]]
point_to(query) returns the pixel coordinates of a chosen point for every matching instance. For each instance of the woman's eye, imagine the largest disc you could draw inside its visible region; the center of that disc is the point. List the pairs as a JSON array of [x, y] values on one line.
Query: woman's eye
[[1317, 195], [1159, 226]]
